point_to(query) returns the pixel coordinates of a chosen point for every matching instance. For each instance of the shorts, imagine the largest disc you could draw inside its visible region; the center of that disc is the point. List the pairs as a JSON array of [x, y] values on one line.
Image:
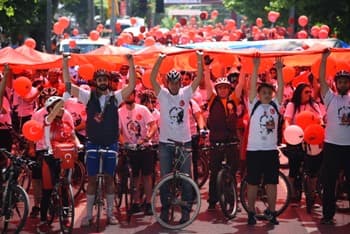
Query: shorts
[[109, 158], [141, 161], [262, 163]]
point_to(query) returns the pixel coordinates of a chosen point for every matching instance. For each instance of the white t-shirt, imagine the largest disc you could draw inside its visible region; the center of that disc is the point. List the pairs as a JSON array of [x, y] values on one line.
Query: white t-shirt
[[24, 108], [263, 127], [133, 123], [338, 118], [84, 96], [174, 115], [289, 112]]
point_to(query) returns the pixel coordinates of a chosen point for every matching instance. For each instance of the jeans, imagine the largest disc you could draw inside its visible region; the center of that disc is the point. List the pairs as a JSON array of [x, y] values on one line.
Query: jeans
[[166, 156]]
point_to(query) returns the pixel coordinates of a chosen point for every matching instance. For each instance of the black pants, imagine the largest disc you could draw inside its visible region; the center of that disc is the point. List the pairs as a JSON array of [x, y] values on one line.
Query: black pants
[[336, 157], [216, 157], [195, 156]]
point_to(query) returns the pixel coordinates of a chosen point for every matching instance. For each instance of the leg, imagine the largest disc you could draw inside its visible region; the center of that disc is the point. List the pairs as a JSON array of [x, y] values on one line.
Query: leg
[[216, 158]]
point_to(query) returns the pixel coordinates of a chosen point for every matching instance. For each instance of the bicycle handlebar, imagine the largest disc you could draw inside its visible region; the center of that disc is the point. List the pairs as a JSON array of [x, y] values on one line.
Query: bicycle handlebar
[[18, 160]]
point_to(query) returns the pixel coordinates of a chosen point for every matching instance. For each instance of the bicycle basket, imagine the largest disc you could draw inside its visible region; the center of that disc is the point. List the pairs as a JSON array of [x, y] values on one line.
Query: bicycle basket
[[67, 153]]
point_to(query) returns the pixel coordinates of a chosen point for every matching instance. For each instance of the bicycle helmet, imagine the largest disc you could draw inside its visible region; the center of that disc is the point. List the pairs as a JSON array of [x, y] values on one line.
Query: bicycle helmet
[[173, 76], [102, 72], [341, 74], [222, 80], [52, 100]]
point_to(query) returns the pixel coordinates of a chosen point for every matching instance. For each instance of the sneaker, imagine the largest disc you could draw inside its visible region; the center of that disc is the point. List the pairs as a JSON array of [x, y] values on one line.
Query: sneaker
[[148, 209], [327, 221], [251, 218], [184, 217], [164, 215], [43, 228], [212, 207], [135, 208], [271, 216], [35, 212], [86, 222], [111, 220]]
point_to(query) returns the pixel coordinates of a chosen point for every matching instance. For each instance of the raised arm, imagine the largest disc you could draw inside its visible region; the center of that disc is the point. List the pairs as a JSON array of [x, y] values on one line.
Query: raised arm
[[132, 76], [70, 88], [154, 74], [280, 82], [254, 78], [323, 66], [199, 76], [208, 85]]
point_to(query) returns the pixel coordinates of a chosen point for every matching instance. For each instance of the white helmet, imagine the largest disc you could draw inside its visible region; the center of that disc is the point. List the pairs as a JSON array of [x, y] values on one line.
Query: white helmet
[[52, 100], [173, 76], [222, 80]]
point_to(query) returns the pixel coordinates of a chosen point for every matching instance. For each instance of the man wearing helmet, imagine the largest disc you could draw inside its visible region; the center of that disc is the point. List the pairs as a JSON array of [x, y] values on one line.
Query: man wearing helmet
[[102, 130], [336, 149], [174, 100]]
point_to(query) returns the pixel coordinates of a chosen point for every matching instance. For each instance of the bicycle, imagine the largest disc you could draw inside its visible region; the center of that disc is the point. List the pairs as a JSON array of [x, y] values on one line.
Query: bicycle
[[14, 201], [343, 193], [99, 200], [226, 184], [174, 183], [61, 203], [282, 201]]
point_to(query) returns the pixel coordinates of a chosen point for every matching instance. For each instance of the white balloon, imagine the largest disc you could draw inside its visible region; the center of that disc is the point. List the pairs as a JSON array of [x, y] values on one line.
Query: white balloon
[[293, 134]]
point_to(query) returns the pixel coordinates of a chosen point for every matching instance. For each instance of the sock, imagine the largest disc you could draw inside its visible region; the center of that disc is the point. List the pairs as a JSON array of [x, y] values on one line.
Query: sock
[[90, 205], [110, 203]]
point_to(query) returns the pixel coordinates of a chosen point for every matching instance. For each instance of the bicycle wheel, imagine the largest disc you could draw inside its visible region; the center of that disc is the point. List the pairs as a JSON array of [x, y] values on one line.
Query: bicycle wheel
[[203, 171], [25, 178], [78, 178], [174, 184], [226, 189], [66, 210], [15, 211], [282, 200], [53, 206]]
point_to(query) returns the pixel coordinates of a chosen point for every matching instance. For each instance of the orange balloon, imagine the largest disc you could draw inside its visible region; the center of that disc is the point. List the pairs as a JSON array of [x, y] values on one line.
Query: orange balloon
[[167, 65], [303, 20], [86, 71], [149, 41], [314, 134], [306, 118], [33, 130], [288, 74], [30, 42], [133, 20], [64, 21], [58, 28], [22, 86], [322, 34], [72, 44], [94, 35], [75, 32]]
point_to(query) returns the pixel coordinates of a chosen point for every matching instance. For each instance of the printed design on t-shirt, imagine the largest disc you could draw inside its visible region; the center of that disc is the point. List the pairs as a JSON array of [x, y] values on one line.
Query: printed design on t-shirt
[[344, 115], [76, 118], [267, 123], [60, 131], [176, 115], [134, 129]]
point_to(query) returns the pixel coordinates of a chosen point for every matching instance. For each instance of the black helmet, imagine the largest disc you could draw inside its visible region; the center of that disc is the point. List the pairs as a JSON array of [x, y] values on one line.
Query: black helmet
[[101, 72]]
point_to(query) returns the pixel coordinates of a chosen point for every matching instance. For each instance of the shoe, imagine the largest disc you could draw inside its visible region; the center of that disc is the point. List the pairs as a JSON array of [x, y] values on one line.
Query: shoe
[[43, 228], [164, 215], [86, 222], [212, 207], [251, 218], [271, 216], [148, 209], [35, 212], [111, 220], [184, 217], [135, 208], [327, 221]]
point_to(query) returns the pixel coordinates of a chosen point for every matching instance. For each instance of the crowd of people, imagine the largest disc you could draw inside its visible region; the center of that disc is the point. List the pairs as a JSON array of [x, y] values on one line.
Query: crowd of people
[[116, 108]]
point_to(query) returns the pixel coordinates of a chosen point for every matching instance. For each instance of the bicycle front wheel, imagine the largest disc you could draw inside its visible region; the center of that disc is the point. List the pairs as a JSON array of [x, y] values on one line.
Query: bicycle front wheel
[[170, 210], [66, 212], [78, 178], [282, 200], [226, 189], [16, 210]]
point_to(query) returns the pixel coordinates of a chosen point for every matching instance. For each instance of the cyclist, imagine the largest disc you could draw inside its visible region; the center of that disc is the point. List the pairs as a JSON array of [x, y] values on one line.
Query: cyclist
[[262, 154], [137, 126], [337, 140], [102, 130], [174, 124]]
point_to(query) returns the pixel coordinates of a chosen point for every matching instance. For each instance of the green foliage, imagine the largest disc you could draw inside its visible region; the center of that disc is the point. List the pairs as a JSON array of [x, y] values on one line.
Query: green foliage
[[168, 22]]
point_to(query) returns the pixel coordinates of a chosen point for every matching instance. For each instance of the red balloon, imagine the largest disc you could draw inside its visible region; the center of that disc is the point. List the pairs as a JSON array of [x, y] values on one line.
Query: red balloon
[[94, 35], [58, 28], [259, 22], [30, 42], [183, 21], [302, 34], [33, 130], [203, 15], [214, 14], [75, 32], [325, 27], [273, 16], [314, 134], [72, 44], [22, 86], [314, 31], [303, 20], [322, 34], [86, 71], [142, 29], [306, 118], [64, 21], [149, 41], [133, 20], [118, 27]]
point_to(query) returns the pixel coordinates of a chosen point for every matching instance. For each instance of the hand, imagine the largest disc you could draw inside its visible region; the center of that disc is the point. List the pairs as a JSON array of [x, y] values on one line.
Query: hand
[[7, 69], [279, 63], [256, 61], [162, 55], [66, 55], [128, 57], [208, 60]]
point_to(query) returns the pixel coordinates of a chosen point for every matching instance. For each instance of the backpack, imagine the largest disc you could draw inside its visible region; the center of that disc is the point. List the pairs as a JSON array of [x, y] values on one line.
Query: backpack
[[279, 123]]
